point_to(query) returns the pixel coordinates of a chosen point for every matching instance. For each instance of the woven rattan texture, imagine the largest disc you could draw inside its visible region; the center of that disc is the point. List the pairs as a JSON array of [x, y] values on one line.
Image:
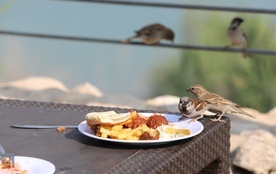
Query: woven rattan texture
[[63, 106], [59, 106], [206, 153]]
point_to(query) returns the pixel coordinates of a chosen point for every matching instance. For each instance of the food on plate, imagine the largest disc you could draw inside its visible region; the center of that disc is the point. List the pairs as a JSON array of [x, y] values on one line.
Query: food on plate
[[156, 121], [136, 121], [106, 118], [6, 168], [172, 131], [131, 126], [150, 135], [121, 133], [6, 162]]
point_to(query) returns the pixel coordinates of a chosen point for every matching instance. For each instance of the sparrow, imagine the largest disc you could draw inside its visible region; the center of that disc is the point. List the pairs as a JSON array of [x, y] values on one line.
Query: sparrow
[[216, 102], [193, 108], [152, 34], [237, 36]]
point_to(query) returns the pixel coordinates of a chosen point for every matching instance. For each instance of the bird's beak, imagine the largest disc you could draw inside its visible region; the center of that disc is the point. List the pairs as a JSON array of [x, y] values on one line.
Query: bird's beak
[[180, 107], [188, 90]]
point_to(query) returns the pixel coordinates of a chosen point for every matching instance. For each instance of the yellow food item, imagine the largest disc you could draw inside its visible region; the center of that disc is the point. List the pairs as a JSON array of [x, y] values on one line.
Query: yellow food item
[[118, 132], [132, 115], [7, 168], [172, 130], [61, 129], [134, 128]]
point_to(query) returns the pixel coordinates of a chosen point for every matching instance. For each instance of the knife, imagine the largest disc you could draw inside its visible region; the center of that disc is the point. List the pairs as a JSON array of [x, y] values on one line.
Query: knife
[[43, 126]]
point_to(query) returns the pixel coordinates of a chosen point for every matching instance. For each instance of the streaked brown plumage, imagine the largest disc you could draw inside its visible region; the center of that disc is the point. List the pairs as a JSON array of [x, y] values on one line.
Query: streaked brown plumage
[[153, 34], [193, 108], [237, 36], [217, 103]]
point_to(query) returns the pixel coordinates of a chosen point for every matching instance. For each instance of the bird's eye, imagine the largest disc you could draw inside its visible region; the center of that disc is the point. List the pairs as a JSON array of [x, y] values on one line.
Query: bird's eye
[[193, 88]]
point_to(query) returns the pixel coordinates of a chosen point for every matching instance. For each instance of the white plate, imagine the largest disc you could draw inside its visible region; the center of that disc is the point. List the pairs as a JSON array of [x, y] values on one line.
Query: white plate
[[195, 128], [35, 165]]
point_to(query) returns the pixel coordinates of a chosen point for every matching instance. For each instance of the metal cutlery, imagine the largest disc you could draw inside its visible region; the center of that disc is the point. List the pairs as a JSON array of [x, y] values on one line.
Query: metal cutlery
[[7, 159], [44, 126]]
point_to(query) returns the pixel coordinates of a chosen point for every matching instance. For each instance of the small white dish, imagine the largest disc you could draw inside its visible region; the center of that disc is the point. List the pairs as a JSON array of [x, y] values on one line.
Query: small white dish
[[35, 165]]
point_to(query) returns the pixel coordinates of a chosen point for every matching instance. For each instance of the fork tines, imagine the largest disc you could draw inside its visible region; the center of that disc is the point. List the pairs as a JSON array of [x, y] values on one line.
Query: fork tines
[[7, 160]]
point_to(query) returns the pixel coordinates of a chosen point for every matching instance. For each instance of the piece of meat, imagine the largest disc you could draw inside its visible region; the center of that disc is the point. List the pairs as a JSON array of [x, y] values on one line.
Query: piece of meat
[[156, 120], [136, 122], [152, 135]]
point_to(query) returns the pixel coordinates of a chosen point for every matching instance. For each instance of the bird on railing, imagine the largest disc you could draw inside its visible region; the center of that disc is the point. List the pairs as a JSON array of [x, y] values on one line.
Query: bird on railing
[[193, 108], [216, 102], [237, 36], [152, 34]]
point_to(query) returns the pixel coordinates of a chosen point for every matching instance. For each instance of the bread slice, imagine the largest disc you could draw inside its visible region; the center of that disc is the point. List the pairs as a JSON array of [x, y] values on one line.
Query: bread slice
[[106, 118]]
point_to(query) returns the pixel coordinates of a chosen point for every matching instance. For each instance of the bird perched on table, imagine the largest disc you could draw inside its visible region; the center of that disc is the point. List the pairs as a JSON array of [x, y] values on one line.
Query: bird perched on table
[[216, 102], [237, 36], [193, 108], [152, 34]]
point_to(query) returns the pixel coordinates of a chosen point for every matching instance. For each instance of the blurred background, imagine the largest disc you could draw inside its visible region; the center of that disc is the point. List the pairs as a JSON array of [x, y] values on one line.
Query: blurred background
[[140, 71]]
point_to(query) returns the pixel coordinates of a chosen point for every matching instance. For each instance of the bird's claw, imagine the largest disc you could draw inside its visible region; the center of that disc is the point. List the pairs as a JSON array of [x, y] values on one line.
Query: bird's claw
[[125, 41], [195, 119], [227, 47], [192, 120], [216, 119], [180, 119]]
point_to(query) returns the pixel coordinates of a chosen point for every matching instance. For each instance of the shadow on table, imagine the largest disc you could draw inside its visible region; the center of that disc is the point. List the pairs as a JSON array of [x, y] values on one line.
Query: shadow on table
[[77, 136]]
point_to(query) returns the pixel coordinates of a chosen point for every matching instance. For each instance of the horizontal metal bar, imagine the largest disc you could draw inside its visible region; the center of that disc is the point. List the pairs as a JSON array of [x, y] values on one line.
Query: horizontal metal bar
[[179, 6], [110, 41]]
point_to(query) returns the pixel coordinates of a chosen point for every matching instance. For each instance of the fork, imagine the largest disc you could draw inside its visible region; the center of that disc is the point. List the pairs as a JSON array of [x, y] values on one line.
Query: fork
[[7, 159]]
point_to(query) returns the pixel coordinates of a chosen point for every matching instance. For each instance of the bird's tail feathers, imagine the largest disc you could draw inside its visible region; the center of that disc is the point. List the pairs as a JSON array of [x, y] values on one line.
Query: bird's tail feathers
[[128, 39], [238, 110]]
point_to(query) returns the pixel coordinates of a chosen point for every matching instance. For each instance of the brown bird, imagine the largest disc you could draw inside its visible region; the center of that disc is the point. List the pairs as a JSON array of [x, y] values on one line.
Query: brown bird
[[237, 36], [193, 108], [217, 103], [152, 34]]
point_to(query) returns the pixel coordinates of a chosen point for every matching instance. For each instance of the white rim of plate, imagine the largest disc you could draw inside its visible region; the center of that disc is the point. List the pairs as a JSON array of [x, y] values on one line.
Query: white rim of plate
[[27, 163], [85, 130]]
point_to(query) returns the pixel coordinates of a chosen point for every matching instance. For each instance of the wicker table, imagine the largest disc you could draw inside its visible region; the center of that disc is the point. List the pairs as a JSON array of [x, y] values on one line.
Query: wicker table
[[72, 152]]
